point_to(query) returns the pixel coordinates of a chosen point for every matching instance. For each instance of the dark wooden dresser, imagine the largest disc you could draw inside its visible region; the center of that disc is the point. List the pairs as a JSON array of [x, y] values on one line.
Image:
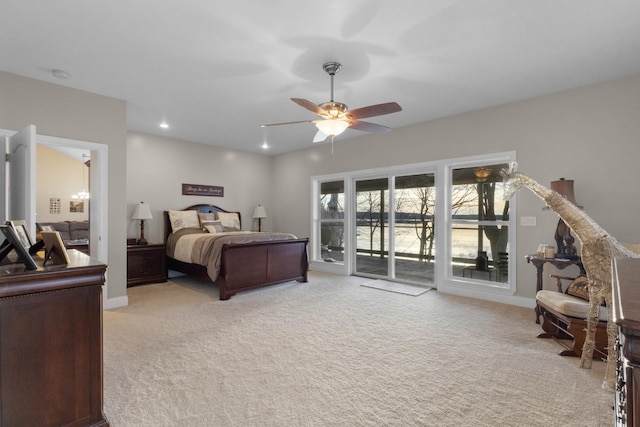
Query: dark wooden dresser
[[626, 314], [51, 344]]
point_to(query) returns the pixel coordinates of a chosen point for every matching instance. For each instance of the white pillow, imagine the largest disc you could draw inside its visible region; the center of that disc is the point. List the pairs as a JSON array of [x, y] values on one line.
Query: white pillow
[[183, 219], [230, 220]]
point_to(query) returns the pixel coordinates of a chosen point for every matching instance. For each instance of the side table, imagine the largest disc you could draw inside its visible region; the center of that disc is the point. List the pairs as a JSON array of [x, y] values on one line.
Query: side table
[[561, 264], [146, 264]]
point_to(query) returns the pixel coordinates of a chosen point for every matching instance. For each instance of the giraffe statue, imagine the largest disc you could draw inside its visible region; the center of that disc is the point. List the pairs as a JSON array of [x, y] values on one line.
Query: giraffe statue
[[598, 250]]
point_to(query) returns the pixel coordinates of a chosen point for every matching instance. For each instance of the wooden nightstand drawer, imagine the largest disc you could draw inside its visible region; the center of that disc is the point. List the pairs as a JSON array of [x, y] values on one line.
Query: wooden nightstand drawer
[[146, 264]]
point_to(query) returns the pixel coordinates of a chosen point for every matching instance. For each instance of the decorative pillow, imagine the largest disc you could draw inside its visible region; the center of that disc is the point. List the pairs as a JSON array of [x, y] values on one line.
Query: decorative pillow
[[212, 226], [206, 216], [579, 287], [230, 220], [183, 219]]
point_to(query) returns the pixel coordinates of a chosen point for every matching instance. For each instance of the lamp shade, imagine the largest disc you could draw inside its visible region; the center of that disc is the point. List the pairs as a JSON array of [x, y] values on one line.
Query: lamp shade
[[142, 211], [259, 212], [564, 187], [332, 127]]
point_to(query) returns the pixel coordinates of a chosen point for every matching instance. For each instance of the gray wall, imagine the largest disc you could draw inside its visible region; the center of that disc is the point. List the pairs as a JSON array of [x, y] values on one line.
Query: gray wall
[[157, 167], [74, 114], [590, 135]]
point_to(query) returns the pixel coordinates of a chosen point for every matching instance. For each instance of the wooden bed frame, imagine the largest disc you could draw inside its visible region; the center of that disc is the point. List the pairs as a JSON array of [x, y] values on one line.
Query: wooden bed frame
[[246, 266]]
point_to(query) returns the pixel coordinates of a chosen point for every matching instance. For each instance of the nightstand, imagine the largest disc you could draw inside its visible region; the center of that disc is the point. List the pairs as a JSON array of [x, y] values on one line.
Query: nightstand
[[146, 264]]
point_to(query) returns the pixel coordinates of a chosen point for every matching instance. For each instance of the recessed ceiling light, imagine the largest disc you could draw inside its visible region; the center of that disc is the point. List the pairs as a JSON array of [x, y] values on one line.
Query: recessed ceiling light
[[60, 74], [265, 146], [164, 125]]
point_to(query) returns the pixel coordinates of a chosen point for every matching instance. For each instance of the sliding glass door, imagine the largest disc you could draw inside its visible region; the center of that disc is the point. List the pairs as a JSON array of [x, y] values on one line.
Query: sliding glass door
[[372, 227], [414, 230], [395, 231]]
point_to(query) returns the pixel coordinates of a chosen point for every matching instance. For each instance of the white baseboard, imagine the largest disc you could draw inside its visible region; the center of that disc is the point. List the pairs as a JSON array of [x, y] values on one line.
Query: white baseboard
[[495, 297], [110, 303]]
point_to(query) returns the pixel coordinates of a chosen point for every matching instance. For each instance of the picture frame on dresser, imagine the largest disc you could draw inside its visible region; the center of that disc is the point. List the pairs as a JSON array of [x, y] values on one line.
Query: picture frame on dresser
[[12, 243], [22, 231], [54, 249], [20, 227]]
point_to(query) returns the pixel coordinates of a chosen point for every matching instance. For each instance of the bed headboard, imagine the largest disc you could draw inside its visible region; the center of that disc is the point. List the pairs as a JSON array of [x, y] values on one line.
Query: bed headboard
[[200, 208]]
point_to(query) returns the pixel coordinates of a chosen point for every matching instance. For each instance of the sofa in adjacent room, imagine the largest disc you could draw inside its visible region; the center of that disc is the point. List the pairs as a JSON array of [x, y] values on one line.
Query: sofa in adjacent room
[[74, 234]]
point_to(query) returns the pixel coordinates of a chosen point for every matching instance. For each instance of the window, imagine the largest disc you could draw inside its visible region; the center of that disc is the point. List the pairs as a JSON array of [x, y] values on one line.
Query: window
[[479, 224], [440, 223], [331, 222]]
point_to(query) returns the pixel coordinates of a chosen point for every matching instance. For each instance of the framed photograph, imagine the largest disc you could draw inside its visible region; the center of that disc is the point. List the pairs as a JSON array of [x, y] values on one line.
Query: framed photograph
[[54, 249], [13, 243], [54, 205], [22, 230], [76, 206]]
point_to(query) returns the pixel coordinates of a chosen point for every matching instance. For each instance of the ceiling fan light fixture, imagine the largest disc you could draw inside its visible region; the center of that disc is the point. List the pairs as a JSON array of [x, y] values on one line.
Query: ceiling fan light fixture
[[337, 117], [332, 127], [336, 110]]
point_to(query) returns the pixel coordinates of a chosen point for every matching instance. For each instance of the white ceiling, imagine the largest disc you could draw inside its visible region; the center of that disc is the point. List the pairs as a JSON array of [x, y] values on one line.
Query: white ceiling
[[215, 70]]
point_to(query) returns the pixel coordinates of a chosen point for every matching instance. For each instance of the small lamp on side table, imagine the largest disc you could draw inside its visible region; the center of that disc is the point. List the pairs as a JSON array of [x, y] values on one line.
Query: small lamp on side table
[[142, 212], [259, 213]]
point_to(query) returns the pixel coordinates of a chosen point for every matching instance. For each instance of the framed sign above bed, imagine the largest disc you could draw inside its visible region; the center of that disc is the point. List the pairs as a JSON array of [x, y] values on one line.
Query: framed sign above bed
[[202, 190]]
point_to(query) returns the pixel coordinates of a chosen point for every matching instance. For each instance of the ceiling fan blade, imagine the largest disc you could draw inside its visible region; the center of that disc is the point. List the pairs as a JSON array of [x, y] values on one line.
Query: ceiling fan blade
[[375, 110], [286, 123], [310, 106], [368, 127], [319, 137]]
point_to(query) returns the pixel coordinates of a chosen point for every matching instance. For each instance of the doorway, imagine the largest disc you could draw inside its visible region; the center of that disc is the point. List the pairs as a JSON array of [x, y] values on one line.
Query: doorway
[[97, 186]]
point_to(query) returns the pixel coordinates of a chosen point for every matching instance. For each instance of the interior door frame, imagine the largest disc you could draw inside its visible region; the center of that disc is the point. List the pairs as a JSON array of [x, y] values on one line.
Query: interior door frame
[[5, 180], [19, 191], [98, 188]]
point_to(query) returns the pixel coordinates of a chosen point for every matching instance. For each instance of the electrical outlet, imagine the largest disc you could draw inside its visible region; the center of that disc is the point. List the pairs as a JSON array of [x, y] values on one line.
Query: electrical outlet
[[528, 221]]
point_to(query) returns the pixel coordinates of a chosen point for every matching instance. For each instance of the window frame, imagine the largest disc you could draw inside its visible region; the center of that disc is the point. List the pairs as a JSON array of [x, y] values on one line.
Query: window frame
[[449, 283], [444, 280]]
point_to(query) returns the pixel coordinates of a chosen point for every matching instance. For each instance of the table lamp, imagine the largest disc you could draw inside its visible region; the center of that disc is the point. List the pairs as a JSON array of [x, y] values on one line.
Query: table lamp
[[259, 213], [142, 212]]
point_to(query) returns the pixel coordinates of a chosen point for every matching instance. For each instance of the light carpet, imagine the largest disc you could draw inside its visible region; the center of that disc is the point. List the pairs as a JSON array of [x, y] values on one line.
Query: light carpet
[[399, 288], [333, 353]]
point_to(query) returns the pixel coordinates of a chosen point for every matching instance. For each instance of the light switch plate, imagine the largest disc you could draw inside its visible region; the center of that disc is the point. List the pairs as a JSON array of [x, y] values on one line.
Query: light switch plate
[[528, 221]]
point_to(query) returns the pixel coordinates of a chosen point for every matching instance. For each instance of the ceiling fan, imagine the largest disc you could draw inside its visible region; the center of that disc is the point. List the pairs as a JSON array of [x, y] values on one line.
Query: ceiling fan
[[336, 117]]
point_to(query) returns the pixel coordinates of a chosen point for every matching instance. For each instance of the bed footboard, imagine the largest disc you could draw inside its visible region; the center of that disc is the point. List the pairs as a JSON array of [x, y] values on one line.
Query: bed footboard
[[246, 266]]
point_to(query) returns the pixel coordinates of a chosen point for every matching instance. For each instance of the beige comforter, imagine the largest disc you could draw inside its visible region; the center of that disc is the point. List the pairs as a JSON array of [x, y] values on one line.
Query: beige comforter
[[195, 247]]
